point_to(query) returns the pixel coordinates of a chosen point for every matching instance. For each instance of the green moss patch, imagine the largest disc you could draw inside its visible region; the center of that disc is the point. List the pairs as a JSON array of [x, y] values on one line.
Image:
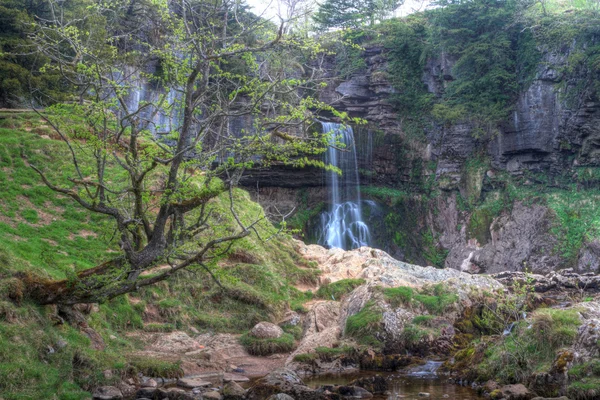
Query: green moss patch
[[265, 347], [335, 290]]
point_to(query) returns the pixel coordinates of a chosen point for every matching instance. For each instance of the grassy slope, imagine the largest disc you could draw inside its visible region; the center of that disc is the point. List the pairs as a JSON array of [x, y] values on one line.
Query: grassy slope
[[46, 234]]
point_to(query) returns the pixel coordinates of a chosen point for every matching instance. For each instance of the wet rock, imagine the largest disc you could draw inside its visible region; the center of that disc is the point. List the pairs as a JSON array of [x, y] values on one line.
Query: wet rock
[[282, 381], [145, 393], [233, 391], [107, 393], [516, 392], [211, 395], [424, 394], [191, 383], [280, 396], [350, 392], [266, 330], [150, 383], [375, 384], [234, 378], [176, 394]]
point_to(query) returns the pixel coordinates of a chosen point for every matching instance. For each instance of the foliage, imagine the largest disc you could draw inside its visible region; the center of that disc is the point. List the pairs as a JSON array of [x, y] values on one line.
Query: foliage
[[166, 216], [265, 347], [20, 65], [352, 13], [336, 290]]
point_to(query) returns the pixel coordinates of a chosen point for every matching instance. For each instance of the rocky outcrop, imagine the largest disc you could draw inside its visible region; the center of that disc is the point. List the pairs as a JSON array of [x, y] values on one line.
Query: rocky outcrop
[[380, 269], [564, 281], [325, 323], [513, 241]]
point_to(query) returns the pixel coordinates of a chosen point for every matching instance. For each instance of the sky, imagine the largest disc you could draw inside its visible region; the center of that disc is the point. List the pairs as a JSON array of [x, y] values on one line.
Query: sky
[[270, 7]]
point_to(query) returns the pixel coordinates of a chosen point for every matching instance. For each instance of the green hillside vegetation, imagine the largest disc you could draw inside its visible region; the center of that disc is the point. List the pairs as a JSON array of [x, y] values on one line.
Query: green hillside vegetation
[[46, 235]]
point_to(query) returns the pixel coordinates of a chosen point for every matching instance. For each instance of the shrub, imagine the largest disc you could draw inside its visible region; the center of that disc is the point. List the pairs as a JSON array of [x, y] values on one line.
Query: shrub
[[265, 347]]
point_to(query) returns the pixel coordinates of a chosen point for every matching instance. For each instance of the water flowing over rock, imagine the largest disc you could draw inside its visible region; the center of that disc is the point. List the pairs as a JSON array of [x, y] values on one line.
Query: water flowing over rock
[[343, 226], [429, 369]]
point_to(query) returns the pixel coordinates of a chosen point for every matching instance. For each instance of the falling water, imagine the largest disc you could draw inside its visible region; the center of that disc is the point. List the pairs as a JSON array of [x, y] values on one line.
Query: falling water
[[342, 226], [429, 369]]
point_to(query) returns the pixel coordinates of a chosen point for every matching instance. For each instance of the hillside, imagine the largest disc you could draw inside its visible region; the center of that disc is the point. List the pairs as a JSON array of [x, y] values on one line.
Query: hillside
[[46, 235]]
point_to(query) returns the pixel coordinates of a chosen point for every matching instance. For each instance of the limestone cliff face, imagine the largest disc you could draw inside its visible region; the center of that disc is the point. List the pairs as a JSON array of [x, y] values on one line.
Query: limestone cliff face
[[545, 135]]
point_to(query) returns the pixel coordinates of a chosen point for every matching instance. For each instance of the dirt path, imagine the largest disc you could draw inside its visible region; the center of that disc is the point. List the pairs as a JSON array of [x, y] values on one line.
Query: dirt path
[[207, 353]]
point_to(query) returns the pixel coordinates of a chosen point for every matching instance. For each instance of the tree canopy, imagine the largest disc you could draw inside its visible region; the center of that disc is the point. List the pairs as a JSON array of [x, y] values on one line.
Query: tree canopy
[[353, 13]]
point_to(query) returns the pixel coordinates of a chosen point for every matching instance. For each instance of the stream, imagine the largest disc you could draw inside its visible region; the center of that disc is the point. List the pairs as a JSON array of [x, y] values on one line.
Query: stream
[[403, 386]]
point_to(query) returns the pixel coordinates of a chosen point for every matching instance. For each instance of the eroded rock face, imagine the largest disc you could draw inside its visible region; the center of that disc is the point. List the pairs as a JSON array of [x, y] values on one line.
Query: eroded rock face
[[321, 328]]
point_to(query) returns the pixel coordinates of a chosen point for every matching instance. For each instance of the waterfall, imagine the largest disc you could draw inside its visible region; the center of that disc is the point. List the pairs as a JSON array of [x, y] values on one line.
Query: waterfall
[[428, 369], [342, 226]]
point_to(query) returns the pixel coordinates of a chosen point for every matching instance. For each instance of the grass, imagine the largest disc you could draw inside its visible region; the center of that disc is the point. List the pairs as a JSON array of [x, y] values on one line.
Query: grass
[[48, 235], [530, 349], [265, 347], [399, 296], [335, 290], [156, 368], [41, 360], [364, 325], [435, 299], [438, 301]]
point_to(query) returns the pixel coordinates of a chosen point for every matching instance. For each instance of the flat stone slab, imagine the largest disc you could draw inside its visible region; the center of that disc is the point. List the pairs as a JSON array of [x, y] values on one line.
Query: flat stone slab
[[227, 377], [190, 383]]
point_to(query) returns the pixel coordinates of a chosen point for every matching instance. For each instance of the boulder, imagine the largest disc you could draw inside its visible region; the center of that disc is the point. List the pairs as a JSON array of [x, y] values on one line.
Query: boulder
[[516, 392], [233, 391], [266, 330], [107, 393], [211, 395]]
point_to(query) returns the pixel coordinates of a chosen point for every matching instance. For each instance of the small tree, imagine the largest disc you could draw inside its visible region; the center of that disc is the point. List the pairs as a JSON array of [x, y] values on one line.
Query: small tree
[[213, 62]]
